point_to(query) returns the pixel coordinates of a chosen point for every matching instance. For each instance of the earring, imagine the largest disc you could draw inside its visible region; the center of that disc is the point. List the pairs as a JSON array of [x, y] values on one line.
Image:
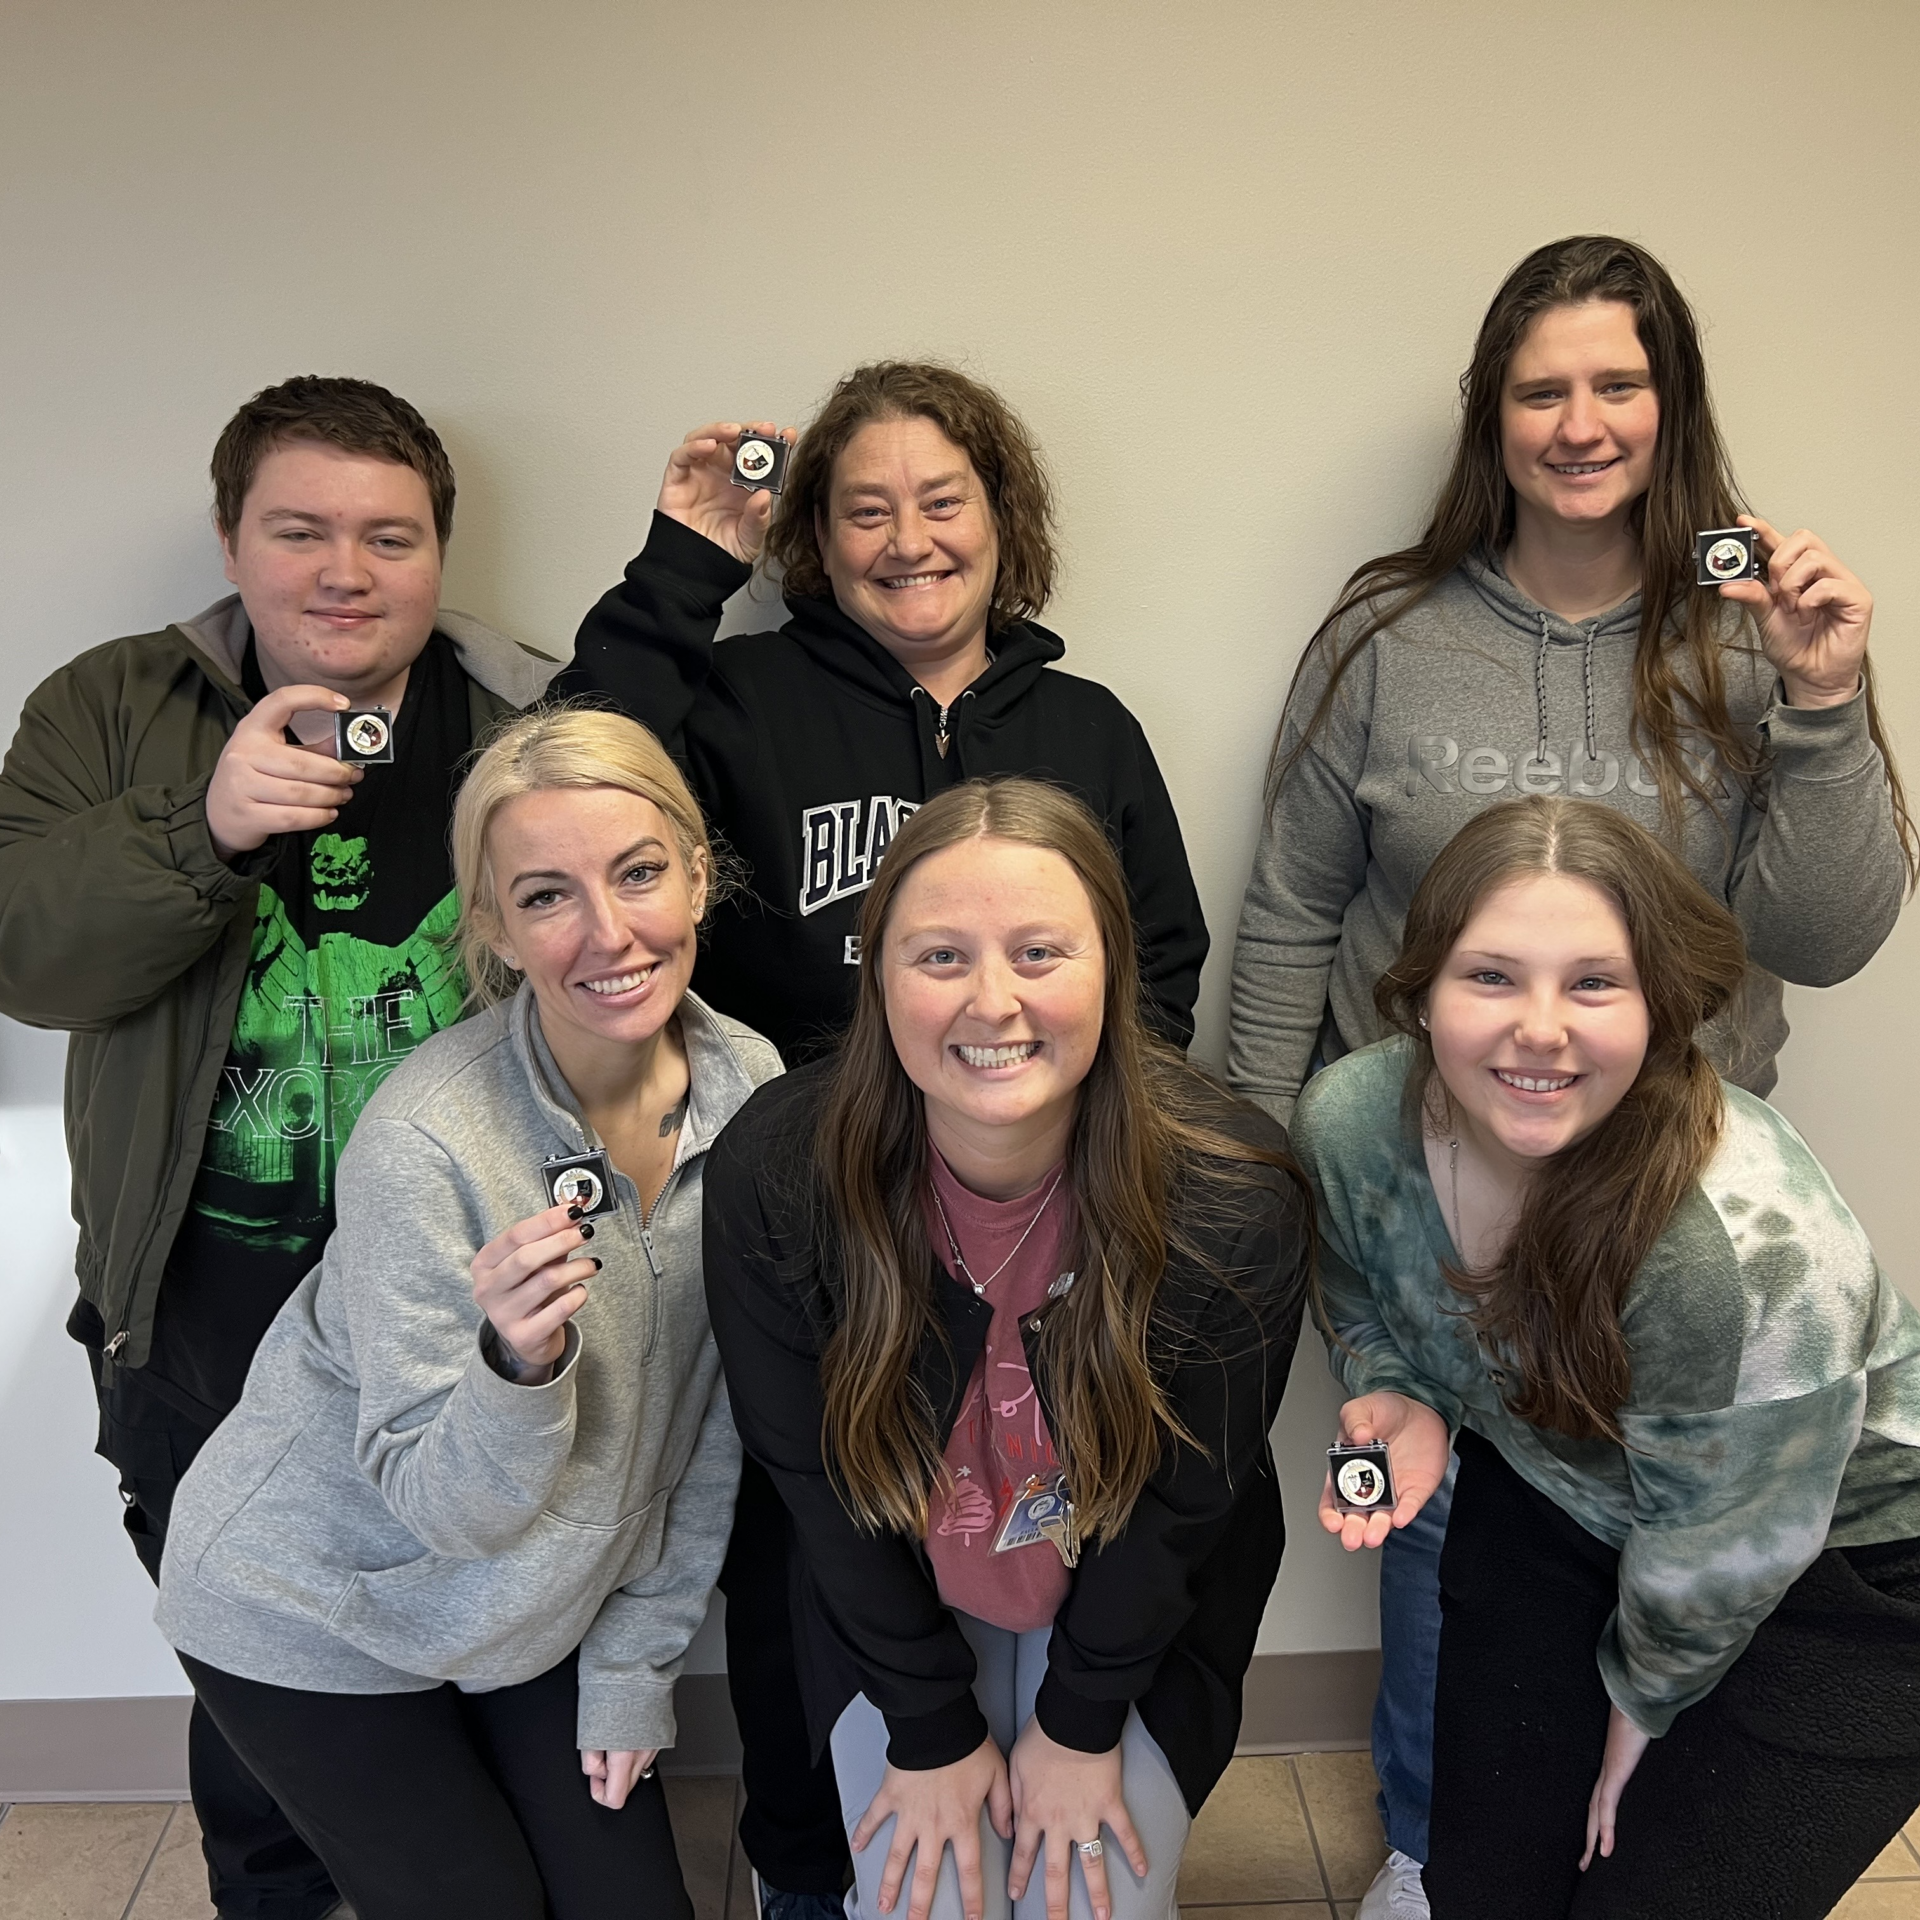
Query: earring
[[1423, 1023]]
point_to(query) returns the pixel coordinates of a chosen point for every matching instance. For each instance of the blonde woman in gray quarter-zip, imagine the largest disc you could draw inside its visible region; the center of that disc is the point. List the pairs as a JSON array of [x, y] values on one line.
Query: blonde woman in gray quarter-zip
[[1545, 635], [435, 1577]]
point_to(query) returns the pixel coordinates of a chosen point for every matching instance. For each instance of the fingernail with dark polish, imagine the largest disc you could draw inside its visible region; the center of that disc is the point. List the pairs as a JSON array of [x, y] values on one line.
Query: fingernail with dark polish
[[574, 1213], [597, 1264], [586, 1229]]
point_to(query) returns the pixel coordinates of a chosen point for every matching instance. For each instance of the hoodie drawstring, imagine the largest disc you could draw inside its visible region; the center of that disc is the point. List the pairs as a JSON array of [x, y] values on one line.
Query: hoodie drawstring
[[1586, 685]]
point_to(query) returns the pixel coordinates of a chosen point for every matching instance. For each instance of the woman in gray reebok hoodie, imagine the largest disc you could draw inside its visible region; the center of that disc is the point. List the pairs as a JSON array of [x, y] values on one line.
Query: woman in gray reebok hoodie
[[1468, 692], [402, 1499]]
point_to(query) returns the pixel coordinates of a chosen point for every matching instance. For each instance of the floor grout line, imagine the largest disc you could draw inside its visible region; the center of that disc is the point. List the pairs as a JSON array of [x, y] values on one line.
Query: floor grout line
[[159, 1840], [1306, 1814]]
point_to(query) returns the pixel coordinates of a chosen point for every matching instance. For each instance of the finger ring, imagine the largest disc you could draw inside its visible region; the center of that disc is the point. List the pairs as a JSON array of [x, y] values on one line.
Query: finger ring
[[1090, 1849]]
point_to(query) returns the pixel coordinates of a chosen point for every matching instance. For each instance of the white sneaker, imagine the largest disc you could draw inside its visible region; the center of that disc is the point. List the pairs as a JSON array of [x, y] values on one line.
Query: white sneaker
[[1396, 1893]]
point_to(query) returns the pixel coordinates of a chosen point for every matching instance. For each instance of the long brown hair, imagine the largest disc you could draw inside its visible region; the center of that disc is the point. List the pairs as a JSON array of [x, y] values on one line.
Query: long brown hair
[[1679, 682], [975, 419], [1147, 1135], [1592, 1213]]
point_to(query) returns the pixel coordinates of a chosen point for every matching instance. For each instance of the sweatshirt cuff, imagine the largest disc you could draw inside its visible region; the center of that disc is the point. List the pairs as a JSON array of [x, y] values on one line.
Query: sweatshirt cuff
[[918, 1742], [625, 1718], [1070, 1719], [675, 548], [191, 849], [509, 1403], [1820, 743]]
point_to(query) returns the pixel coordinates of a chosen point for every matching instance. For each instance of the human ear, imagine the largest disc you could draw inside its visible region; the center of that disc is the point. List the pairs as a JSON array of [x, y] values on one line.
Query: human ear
[[697, 884]]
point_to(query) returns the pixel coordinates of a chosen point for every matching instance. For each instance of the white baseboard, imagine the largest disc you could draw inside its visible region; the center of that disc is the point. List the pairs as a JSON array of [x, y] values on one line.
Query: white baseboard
[[136, 1749]]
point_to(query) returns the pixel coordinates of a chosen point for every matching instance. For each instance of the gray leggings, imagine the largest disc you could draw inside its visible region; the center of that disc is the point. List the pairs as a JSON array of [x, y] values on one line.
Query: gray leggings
[[1009, 1669]]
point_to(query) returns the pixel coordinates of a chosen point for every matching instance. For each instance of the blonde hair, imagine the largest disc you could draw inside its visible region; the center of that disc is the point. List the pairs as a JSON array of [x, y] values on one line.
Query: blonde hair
[[556, 747]]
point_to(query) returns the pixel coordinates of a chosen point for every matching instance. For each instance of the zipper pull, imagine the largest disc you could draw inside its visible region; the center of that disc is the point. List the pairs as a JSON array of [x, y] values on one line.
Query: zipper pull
[[111, 1351], [646, 1240], [942, 737]]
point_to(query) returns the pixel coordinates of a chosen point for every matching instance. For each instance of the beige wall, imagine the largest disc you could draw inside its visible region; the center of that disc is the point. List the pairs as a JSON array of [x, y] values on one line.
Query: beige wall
[[1227, 258]]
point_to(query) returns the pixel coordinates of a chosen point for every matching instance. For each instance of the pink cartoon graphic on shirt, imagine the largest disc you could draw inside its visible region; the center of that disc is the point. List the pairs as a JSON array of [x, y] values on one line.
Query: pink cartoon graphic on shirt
[[969, 1510]]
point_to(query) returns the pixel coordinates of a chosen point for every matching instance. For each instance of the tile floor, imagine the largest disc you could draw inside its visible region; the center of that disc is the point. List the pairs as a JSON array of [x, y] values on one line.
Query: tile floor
[[1281, 1839]]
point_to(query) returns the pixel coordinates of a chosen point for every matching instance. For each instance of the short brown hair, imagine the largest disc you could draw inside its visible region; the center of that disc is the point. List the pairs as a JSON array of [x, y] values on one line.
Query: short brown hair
[[354, 415], [1592, 1213], [976, 420]]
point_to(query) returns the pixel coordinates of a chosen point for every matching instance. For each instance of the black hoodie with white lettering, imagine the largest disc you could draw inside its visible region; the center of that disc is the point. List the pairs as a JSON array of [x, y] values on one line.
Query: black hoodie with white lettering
[[808, 746]]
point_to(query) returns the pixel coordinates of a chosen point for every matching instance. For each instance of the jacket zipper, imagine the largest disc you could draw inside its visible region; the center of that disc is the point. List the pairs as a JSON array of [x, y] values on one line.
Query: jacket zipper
[[111, 1351], [653, 1266]]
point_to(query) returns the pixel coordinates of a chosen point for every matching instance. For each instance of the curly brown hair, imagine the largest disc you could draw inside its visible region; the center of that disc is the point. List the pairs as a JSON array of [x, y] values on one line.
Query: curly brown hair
[[976, 420], [354, 415]]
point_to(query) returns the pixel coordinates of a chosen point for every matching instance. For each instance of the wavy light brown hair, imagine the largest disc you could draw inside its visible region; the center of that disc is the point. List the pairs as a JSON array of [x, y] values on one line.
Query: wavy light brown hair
[[1147, 1134], [559, 747], [1679, 678], [1592, 1213], [330, 411], [975, 419]]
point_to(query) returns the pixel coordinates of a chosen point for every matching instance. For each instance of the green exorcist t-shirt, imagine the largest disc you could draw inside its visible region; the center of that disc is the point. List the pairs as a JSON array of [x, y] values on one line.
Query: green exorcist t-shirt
[[351, 969]]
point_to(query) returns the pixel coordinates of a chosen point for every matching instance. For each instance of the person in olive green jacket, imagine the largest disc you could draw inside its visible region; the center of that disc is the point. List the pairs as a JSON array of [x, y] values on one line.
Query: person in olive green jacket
[[241, 933]]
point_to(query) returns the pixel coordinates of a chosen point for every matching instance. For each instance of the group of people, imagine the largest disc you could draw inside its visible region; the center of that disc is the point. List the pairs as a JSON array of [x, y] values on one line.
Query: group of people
[[935, 1308]]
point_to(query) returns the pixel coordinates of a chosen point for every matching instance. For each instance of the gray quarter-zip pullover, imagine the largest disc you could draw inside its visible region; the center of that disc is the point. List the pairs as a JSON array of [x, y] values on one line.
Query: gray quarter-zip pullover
[[384, 1511]]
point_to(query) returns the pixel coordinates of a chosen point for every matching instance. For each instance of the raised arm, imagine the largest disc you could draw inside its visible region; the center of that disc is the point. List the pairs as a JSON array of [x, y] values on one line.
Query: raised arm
[[1819, 873], [647, 644], [463, 1456]]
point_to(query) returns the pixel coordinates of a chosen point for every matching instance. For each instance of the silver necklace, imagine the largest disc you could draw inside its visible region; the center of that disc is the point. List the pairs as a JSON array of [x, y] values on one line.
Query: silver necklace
[[1453, 1179], [953, 1245]]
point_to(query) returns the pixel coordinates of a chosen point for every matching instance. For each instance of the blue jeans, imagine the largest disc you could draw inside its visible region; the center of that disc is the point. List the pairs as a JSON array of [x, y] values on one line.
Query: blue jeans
[[1409, 1659]]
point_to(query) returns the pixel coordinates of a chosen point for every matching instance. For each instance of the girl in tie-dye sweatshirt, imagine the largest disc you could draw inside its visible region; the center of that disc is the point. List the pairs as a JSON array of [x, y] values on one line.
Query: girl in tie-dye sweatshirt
[[1688, 1400]]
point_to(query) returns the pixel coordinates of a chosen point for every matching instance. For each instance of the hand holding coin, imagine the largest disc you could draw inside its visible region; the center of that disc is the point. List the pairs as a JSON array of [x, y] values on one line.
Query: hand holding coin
[[1418, 1446], [1814, 615], [529, 1282], [700, 490], [263, 785]]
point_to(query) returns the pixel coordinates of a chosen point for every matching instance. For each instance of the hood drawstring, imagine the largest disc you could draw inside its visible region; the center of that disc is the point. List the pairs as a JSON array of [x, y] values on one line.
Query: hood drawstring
[[1586, 685], [1540, 687]]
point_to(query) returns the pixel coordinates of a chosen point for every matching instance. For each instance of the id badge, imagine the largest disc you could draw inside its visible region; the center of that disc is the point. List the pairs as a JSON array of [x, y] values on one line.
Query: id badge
[[1040, 1511]]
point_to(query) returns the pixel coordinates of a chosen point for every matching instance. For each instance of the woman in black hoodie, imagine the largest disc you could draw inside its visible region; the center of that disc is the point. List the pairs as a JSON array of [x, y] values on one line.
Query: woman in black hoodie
[[914, 531]]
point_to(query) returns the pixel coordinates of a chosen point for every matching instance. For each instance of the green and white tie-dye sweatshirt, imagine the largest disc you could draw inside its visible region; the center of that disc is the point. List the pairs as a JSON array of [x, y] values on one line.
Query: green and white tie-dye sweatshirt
[[1775, 1408]]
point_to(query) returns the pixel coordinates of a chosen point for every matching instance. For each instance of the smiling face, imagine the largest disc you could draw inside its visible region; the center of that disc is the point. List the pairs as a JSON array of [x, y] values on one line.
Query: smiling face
[[1579, 417], [909, 543], [995, 985], [598, 910], [338, 568], [1537, 1019]]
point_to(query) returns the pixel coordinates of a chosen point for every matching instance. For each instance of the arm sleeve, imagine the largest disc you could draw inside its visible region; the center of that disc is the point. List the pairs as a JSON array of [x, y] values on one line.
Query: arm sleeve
[[1310, 864], [1166, 904], [875, 1589], [1133, 1592], [464, 1459], [1730, 1508], [1818, 876], [647, 644], [633, 1652], [106, 897]]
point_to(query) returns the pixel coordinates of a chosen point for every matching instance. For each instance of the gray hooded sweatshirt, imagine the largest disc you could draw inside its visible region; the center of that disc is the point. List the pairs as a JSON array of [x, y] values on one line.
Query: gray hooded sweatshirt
[[384, 1511], [1478, 695]]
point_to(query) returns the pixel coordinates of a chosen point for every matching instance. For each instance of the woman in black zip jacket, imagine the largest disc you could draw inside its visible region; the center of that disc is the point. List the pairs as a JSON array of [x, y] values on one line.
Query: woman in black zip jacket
[[914, 531], [1006, 1294]]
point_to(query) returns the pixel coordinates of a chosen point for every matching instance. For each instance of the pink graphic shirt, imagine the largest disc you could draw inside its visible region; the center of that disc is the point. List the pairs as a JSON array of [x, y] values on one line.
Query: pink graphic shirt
[[1000, 1437]]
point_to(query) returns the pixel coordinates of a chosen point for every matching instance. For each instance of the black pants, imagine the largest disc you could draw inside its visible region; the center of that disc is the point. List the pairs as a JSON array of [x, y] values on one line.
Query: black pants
[[446, 1805], [1767, 1800], [791, 1828], [258, 1867]]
